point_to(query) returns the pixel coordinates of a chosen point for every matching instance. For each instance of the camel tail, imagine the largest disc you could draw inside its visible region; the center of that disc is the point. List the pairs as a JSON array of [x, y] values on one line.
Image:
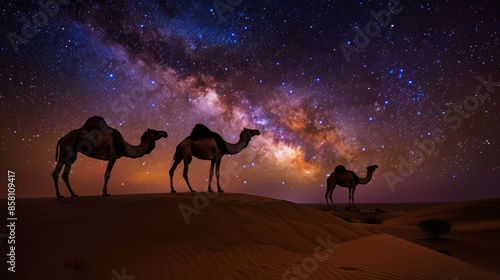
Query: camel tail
[[57, 148], [177, 153]]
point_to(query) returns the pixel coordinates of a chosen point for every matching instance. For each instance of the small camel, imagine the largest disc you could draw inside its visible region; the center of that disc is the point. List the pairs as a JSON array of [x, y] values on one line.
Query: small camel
[[97, 140], [348, 179], [207, 145]]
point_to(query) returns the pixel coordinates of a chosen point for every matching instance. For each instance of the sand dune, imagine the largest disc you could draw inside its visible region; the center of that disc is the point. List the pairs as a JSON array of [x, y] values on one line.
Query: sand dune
[[474, 236], [234, 236]]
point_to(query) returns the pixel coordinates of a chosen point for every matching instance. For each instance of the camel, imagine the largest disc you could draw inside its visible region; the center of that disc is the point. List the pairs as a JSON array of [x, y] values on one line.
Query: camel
[[207, 145], [96, 139], [348, 179]]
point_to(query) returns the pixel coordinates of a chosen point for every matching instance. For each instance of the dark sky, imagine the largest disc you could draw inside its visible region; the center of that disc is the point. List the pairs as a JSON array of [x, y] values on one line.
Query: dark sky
[[324, 81]]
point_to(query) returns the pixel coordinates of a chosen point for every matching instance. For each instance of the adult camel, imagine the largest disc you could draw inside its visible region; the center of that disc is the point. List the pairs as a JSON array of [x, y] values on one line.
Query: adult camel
[[348, 179], [96, 139], [207, 145]]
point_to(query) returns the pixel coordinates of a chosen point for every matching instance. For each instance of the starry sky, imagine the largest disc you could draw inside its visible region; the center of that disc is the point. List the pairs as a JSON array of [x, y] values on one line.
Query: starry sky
[[414, 91]]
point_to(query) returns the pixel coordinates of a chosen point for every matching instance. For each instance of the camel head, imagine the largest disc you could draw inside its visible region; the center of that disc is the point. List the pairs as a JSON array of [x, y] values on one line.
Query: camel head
[[372, 168], [249, 133], [154, 134]]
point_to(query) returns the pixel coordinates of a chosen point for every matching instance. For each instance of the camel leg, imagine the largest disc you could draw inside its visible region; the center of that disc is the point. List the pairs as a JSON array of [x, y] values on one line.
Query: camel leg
[[210, 175], [353, 190], [55, 176], [331, 193], [217, 174], [351, 197], [185, 174], [107, 175], [326, 196], [171, 172], [65, 177], [330, 186]]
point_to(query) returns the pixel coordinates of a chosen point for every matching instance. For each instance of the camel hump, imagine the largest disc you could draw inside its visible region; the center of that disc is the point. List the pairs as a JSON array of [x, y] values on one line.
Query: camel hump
[[339, 169], [94, 122], [200, 131]]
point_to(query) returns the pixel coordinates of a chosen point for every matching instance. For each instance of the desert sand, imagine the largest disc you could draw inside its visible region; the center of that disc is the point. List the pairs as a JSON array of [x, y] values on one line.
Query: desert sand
[[233, 236], [473, 238]]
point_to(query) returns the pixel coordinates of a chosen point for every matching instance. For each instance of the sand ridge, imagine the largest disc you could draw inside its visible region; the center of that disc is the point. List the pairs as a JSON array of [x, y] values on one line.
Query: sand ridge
[[236, 236]]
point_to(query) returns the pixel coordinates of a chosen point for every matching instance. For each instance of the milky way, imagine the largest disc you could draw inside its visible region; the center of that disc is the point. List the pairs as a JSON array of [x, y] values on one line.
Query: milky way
[[326, 83]]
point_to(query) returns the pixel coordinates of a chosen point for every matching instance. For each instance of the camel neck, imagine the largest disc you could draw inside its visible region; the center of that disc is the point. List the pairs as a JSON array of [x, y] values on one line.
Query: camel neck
[[145, 147], [367, 179], [237, 147]]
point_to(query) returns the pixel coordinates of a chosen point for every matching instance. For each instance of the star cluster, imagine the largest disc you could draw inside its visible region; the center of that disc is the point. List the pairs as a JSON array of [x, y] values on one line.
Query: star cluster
[[276, 66]]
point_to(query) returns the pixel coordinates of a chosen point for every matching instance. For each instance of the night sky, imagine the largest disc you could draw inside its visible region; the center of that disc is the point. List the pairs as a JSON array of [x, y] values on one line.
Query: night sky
[[323, 81]]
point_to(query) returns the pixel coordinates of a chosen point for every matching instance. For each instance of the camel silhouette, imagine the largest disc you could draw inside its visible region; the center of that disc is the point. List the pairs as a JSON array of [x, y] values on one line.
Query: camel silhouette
[[207, 145], [348, 179], [96, 139]]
